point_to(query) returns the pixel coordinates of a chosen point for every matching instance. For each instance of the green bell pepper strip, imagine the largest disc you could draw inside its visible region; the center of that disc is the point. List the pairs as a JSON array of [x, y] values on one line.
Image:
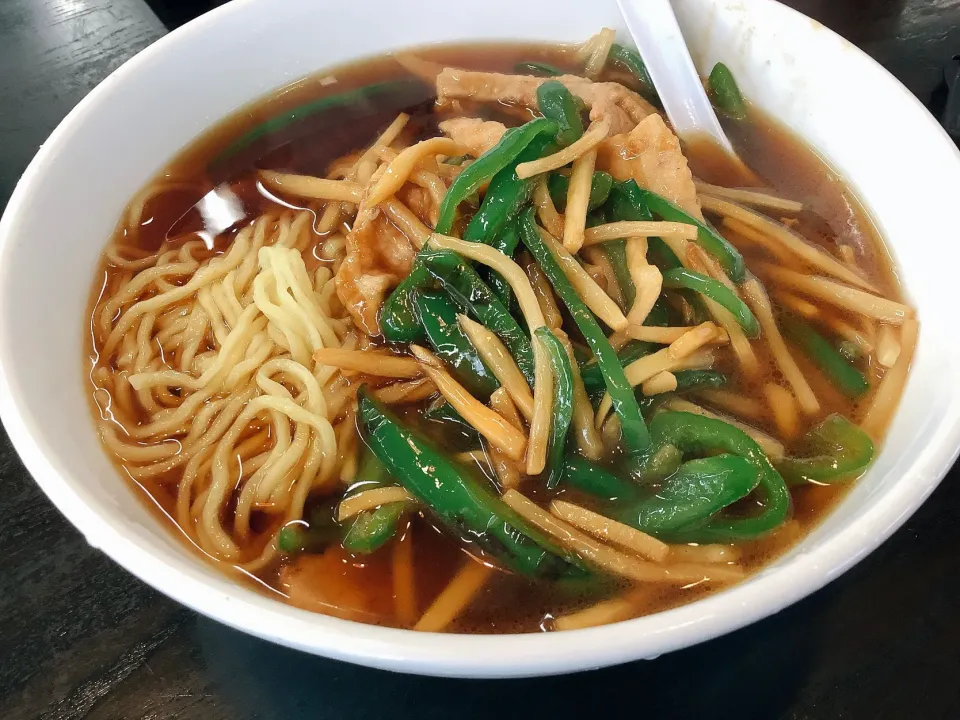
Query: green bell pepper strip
[[627, 204], [445, 414], [557, 103], [438, 315], [635, 435], [697, 434], [504, 197], [696, 492], [659, 315], [838, 370], [580, 473], [506, 242], [489, 164], [695, 379], [597, 217], [562, 412], [723, 91], [709, 239], [464, 285], [465, 506], [600, 185], [303, 539], [494, 223], [716, 291], [398, 317], [849, 350], [618, 207], [631, 61], [506, 194], [371, 529], [658, 466], [375, 93], [616, 252], [455, 160], [537, 68], [590, 372], [398, 321], [843, 450]]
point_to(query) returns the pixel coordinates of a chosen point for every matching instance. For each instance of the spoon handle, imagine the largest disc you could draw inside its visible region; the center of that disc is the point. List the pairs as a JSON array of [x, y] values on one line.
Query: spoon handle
[[654, 29]]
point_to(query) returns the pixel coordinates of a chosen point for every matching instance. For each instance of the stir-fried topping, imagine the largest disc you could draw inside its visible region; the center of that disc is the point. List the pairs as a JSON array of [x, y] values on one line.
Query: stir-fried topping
[[537, 295]]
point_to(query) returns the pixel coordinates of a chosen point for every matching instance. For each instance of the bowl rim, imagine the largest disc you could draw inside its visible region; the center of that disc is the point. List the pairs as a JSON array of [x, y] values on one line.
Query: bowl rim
[[761, 595]]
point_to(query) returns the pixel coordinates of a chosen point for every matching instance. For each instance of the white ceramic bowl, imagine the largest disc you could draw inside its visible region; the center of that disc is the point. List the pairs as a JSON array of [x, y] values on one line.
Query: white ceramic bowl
[[864, 123]]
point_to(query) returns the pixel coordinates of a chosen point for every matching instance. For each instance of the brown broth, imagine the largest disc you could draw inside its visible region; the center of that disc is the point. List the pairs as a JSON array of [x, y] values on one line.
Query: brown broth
[[508, 603]]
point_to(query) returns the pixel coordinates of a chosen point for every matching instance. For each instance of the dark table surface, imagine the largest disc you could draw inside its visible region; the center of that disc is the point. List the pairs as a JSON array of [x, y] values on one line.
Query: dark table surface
[[81, 638]]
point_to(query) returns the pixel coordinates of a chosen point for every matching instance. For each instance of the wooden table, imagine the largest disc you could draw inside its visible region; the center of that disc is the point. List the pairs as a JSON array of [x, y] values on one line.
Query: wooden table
[[81, 638]]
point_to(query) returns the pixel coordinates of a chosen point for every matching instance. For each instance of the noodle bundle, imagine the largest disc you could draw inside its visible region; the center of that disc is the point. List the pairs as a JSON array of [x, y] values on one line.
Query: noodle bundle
[[217, 375]]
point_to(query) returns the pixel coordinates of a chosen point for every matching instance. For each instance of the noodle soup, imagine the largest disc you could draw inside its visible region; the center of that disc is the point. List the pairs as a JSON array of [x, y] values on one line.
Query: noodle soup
[[456, 346]]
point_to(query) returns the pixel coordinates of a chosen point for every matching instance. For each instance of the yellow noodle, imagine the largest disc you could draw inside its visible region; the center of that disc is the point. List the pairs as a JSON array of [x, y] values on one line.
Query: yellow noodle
[[578, 197], [408, 223], [705, 553], [782, 254], [609, 559], [404, 582], [662, 382], [646, 279], [501, 363], [638, 228], [606, 612], [588, 439], [610, 530], [501, 401], [265, 321], [455, 597], [487, 422], [784, 409], [543, 375], [371, 363], [404, 392], [599, 46], [793, 242], [771, 446], [746, 357], [760, 304], [739, 405], [370, 499], [399, 169], [544, 293], [887, 396], [749, 197], [546, 211], [593, 296], [888, 346], [588, 141], [667, 335], [312, 187], [797, 304]]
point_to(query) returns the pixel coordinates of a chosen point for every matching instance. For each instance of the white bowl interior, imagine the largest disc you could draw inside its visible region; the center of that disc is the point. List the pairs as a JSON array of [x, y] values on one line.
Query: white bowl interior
[[65, 207]]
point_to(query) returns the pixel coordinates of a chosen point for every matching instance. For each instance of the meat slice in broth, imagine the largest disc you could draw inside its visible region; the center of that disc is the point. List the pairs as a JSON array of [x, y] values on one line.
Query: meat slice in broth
[[651, 155]]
